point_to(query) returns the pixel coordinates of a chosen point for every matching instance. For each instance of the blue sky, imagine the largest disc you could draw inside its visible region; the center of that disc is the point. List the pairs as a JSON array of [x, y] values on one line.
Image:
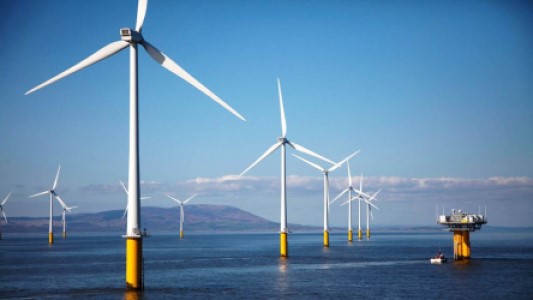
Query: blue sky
[[440, 92]]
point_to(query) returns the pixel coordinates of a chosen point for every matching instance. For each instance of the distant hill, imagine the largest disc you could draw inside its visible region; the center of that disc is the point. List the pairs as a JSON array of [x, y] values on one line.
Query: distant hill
[[199, 217]]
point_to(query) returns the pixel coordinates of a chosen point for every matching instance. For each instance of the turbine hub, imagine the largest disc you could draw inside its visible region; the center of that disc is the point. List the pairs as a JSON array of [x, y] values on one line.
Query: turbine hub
[[131, 36], [282, 139]]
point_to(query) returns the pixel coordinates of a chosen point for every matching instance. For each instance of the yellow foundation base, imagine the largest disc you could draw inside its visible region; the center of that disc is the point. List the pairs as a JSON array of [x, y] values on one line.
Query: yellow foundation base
[[181, 234], [326, 238], [359, 234], [134, 263], [50, 238], [64, 235], [283, 244], [368, 233], [350, 235], [461, 245]]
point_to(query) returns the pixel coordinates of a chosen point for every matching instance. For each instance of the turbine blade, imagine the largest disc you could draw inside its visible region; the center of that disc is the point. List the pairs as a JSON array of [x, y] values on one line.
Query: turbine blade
[[361, 193], [309, 152], [371, 214], [5, 200], [40, 194], [374, 196], [4, 214], [175, 200], [170, 65], [370, 203], [103, 53], [124, 187], [145, 198], [125, 212], [267, 153], [310, 163], [337, 165], [63, 205], [190, 198], [141, 13], [282, 112], [340, 195], [57, 177]]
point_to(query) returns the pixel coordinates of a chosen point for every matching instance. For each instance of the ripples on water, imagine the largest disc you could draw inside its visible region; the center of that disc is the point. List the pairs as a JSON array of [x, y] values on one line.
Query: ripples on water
[[393, 265]]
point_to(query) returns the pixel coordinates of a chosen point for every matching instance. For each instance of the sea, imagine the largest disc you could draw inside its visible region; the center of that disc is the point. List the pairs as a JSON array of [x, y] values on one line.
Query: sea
[[392, 264]]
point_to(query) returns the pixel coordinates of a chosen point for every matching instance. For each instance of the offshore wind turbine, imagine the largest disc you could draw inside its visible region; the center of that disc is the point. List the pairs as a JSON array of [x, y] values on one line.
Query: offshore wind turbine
[[349, 190], [369, 206], [2, 209], [63, 215], [281, 143], [132, 38], [361, 196], [52, 194], [182, 214], [326, 189]]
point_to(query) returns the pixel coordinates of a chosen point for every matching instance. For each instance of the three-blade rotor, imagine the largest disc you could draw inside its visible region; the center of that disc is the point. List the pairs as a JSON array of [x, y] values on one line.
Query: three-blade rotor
[[130, 37], [2, 206]]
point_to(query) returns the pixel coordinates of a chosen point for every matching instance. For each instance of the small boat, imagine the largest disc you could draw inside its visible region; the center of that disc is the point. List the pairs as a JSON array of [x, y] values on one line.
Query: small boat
[[438, 260]]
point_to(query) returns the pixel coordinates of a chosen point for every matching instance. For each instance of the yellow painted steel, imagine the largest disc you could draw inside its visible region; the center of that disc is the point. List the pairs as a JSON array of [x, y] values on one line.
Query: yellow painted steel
[[461, 245], [360, 234], [283, 245], [64, 234], [134, 263], [350, 235], [466, 245], [50, 238], [368, 233], [326, 238], [181, 234]]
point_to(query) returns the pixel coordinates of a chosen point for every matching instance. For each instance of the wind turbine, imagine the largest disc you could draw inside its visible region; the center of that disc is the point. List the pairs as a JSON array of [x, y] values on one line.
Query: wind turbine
[[361, 196], [282, 142], [349, 189], [326, 189], [132, 38], [369, 206], [52, 194], [182, 215], [2, 209], [126, 190], [63, 215]]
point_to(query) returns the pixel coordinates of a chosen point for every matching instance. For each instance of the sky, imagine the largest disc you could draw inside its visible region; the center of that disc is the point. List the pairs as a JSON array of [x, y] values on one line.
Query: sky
[[437, 95]]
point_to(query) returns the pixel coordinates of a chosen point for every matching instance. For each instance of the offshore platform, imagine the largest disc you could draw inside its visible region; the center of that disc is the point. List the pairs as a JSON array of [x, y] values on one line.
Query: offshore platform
[[462, 223]]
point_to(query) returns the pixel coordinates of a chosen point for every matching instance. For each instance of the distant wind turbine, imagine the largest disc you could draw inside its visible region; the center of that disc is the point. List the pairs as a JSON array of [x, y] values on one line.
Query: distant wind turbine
[[349, 190], [282, 142], [126, 190], [2, 209], [326, 189], [52, 194], [132, 38], [369, 215], [63, 215], [361, 196], [182, 215]]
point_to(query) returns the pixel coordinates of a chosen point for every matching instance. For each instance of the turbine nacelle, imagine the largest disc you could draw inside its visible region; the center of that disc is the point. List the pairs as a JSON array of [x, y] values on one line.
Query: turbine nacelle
[[282, 140], [131, 36]]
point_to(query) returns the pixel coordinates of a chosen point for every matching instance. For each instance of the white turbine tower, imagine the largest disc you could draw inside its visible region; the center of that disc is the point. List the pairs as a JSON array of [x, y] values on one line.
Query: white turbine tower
[[52, 194], [2, 209], [182, 214], [63, 215], [326, 189], [132, 38], [349, 190], [282, 142]]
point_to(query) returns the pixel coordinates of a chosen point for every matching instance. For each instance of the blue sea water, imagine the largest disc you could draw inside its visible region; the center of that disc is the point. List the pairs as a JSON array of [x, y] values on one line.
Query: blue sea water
[[389, 265]]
